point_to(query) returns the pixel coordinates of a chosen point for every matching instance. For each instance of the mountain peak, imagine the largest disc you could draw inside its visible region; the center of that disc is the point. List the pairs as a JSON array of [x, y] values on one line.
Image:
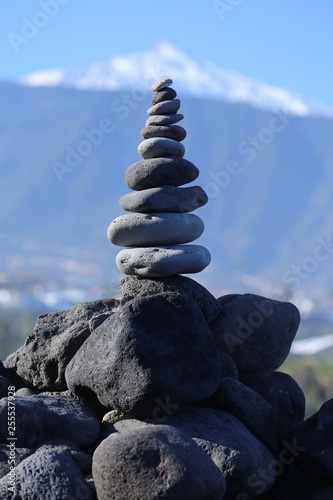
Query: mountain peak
[[194, 78]]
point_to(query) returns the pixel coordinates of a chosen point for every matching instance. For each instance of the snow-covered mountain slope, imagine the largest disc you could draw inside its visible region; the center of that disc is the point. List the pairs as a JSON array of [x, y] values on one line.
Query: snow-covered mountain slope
[[139, 70]]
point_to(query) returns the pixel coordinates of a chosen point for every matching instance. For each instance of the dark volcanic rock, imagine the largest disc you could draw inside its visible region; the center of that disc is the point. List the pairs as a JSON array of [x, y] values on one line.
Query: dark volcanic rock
[[231, 446], [155, 462], [292, 483], [39, 418], [132, 287], [42, 360], [47, 474], [228, 366], [82, 460], [314, 436], [249, 407], [11, 456], [154, 348], [256, 332], [237, 453], [4, 384], [12, 377], [283, 394]]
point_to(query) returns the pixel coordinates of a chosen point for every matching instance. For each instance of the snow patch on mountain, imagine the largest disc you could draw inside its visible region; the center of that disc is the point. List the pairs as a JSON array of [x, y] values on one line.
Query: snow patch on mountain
[[139, 70]]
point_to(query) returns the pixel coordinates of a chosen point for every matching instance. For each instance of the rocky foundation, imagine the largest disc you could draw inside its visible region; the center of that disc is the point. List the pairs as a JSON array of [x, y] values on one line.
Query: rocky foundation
[[167, 392]]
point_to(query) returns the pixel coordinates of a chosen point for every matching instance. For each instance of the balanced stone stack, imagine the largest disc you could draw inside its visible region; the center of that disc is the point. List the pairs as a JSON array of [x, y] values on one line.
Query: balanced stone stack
[[161, 224], [167, 392]]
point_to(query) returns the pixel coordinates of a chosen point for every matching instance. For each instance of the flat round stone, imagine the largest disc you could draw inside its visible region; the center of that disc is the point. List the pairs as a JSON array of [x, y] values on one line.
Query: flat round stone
[[164, 119], [165, 107], [157, 147], [154, 229], [161, 84], [159, 262], [164, 199], [173, 132], [166, 94], [157, 172]]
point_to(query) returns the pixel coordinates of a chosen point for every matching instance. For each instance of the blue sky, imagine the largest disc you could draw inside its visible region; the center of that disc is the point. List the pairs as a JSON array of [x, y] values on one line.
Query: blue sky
[[287, 43]]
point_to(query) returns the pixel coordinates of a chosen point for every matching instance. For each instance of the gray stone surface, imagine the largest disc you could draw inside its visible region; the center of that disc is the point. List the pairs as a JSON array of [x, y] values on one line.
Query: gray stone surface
[[42, 360], [284, 395], [165, 94], [249, 407], [155, 348], [48, 475], [156, 172], [155, 462], [164, 119], [242, 459], [158, 147], [164, 108], [162, 84], [256, 332], [39, 418], [11, 456], [82, 460], [159, 262], [132, 287], [154, 229], [173, 132], [231, 446], [164, 199]]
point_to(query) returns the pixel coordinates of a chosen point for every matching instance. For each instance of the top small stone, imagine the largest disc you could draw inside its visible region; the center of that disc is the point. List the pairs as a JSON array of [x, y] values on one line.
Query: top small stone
[[162, 84]]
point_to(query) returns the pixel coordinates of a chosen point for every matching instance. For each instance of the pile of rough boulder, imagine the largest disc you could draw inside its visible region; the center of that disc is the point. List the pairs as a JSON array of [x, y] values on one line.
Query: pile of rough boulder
[[166, 392]]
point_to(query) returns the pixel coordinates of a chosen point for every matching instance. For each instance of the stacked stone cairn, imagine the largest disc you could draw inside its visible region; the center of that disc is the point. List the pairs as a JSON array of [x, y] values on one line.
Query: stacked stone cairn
[[161, 223], [167, 392]]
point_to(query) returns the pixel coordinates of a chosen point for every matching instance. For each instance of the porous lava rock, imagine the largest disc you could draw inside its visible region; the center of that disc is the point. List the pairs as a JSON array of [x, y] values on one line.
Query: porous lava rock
[[132, 287], [154, 347], [155, 462], [255, 331], [38, 418], [47, 474], [315, 436], [43, 358]]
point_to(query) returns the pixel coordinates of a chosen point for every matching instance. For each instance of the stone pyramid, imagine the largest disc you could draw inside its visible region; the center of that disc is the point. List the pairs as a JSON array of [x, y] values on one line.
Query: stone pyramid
[[160, 223]]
